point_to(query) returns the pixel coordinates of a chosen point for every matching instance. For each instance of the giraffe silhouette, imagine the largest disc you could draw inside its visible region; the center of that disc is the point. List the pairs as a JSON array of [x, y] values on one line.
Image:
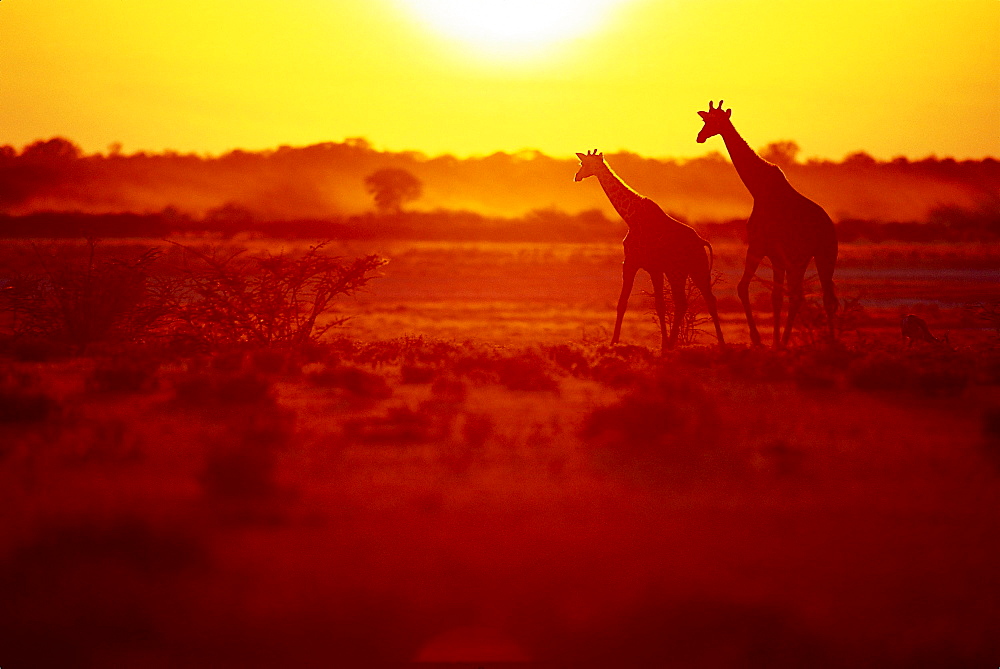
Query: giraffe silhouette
[[785, 226], [657, 243]]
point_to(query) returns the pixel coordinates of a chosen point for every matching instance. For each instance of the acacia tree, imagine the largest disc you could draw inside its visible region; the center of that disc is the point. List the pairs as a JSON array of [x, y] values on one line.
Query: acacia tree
[[391, 187]]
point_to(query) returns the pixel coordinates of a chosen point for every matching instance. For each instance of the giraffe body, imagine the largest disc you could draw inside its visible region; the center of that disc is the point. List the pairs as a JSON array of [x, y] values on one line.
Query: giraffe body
[[784, 226], [658, 244]]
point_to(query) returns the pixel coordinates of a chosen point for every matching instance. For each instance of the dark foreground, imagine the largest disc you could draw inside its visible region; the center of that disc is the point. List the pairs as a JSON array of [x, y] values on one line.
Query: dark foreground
[[410, 500]]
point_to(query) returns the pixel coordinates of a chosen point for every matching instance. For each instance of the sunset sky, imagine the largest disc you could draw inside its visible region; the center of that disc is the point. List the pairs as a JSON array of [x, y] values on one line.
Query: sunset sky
[[890, 77]]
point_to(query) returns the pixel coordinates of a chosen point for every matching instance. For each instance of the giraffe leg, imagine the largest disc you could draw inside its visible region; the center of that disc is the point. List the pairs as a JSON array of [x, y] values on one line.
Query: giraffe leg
[[679, 296], [628, 278], [777, 297], [703, 281], [795, 275], [743, 290], [657, 278], [824, 267]]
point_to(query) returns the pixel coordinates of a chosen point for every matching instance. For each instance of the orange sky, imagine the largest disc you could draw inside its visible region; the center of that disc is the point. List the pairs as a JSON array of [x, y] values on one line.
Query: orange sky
[[890, 77]]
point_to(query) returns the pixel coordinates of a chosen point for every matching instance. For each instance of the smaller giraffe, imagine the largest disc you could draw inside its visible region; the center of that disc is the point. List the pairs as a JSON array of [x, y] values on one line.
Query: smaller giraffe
[[914, 328], [659, 244]]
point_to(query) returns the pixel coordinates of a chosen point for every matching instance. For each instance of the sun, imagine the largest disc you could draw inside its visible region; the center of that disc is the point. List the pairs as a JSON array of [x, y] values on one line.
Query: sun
[[512, 25]]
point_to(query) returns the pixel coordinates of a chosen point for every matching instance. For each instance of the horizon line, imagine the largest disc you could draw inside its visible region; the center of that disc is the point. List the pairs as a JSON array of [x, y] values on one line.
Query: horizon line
[[116, 149]]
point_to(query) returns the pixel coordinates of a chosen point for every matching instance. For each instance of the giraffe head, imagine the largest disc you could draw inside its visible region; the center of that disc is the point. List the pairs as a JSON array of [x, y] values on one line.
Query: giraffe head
[[715, 121], [590, 164]]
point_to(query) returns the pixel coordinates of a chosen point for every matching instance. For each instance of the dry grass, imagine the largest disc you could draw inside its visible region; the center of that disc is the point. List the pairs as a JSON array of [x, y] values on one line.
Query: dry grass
[[574, 504], [514, 488]]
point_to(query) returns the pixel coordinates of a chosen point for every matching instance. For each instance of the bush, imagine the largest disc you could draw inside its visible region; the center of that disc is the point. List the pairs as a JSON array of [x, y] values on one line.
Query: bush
[[758, 364], [880, 372], [414, 373], [569, 357], [401, 425], [267, 300], [78, 301], [210, 390], [245, 467], [942, 381], [928, 375], [623, 365], [522, 370], [26, 407], [526, 371], [353, 379], [665, 427], [123, 375], [697, 323]]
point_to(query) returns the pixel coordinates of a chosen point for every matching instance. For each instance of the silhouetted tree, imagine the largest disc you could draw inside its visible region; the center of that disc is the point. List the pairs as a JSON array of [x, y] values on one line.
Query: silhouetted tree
[[229, 218], [781, 153], [859, 160], [391, 187], [55, 150]]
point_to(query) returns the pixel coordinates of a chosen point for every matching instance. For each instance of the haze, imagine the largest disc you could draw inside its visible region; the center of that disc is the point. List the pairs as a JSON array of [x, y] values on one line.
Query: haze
[[891, 77]]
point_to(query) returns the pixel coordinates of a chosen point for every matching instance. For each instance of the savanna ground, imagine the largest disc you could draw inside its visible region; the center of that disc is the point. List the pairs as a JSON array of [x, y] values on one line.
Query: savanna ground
[[466, 472]]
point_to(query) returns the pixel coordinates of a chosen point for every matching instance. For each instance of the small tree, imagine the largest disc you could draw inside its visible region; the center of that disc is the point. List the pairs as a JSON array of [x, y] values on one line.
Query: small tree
[[781, 154], [391, 187]]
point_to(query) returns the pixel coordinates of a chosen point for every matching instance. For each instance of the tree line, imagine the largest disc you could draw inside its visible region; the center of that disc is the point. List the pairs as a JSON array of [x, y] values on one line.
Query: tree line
[[52, 188]]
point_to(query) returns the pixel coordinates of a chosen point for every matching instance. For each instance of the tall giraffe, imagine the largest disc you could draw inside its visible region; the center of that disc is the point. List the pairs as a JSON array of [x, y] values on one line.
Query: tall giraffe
[[785, 226], [658, 244]]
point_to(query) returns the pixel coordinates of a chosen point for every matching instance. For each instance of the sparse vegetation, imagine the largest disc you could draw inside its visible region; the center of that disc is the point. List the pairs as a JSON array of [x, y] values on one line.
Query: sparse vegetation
[[252, 501], [230, 297], [210, 299]]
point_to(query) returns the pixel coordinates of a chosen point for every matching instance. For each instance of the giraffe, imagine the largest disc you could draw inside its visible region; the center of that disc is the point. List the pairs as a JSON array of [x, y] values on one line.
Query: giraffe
[[784, 226], [658, 244]]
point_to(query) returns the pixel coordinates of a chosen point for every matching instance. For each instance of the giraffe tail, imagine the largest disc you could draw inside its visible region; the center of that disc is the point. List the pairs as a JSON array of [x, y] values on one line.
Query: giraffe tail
[[711, 254]]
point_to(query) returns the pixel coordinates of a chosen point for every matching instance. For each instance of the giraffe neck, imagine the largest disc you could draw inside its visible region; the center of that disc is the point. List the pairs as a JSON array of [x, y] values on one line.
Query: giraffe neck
[[625, 200], [757, 174]]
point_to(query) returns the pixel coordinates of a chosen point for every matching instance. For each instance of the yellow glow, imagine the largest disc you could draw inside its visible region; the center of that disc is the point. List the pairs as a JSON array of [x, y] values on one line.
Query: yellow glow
[[891, 77], [511, 24]]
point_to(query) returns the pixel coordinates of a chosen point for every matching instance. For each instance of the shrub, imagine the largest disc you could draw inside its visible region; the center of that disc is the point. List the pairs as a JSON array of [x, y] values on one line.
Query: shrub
[[80, 301], [942, 381], [758, 364], [353, 379], [814, 377], [526, 371], [235, 298], [213, 389], [270, 361], [449, 389], [880, 372], [244, 467], [415, 373], [665, 427], [697, 323], [623, 365], [522, 370], [123, 375], [569, 357], [246, 471], [617, 372], [26, 406], [399, 424], [476, 429]]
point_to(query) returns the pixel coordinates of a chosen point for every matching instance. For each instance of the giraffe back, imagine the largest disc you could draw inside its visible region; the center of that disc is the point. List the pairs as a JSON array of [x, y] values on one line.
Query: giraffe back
[[659, 242]]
